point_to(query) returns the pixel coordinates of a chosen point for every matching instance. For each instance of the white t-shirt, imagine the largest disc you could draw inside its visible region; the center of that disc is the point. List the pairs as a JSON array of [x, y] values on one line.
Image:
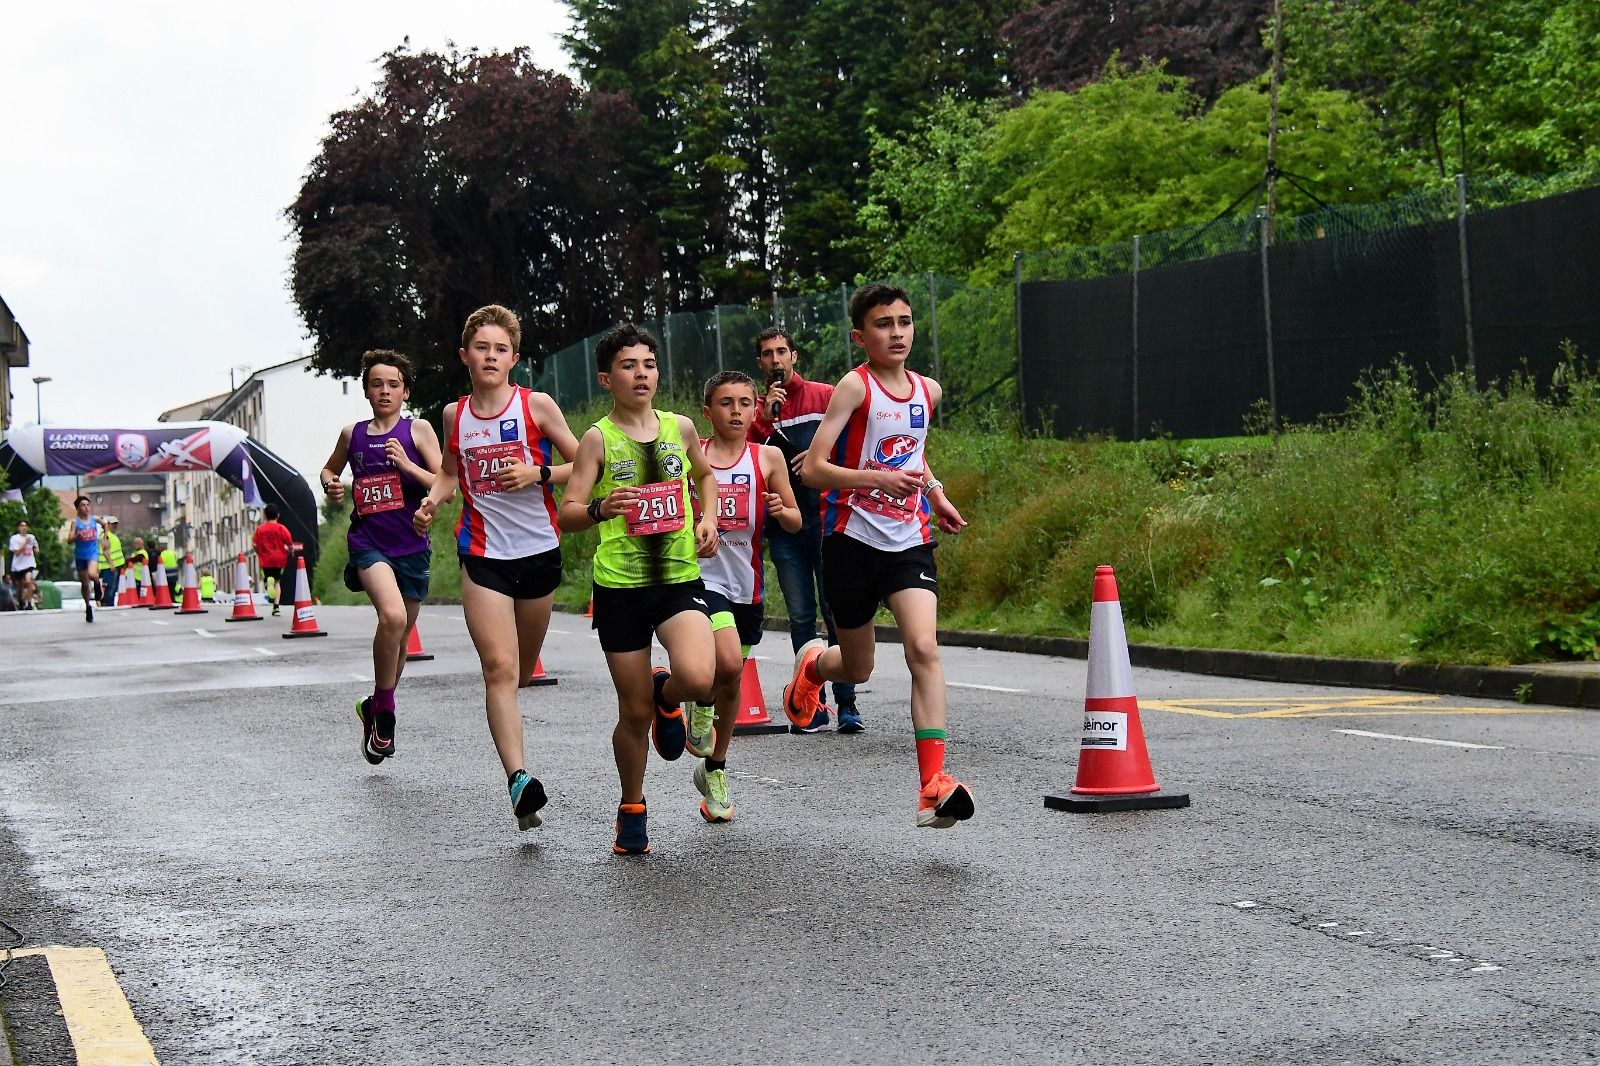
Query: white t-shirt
[[23, 547]]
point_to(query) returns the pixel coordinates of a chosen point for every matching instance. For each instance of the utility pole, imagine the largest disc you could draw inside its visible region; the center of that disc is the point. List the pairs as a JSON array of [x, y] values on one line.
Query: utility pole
[[1272, 121]]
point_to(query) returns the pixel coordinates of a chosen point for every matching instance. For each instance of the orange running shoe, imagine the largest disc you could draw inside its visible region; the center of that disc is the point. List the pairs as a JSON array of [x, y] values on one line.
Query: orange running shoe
[[943, 802], [802, 696]]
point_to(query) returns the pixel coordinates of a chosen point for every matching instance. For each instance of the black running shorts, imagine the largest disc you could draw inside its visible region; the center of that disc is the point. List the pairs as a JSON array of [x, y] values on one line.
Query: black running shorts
[[529, 578], [857, 577], [627, 618]]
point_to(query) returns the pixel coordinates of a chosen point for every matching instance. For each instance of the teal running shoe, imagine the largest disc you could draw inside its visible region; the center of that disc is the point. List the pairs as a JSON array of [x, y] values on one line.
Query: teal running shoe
[[527, 797]]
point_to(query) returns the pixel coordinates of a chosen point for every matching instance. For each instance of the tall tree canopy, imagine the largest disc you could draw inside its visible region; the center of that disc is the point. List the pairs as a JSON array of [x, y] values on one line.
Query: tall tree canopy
[[464, 179], [1065, 44]]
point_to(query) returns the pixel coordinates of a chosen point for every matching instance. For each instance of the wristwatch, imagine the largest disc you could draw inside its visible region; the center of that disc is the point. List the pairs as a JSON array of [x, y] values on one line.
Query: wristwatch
[[544, 474], [931, 484]]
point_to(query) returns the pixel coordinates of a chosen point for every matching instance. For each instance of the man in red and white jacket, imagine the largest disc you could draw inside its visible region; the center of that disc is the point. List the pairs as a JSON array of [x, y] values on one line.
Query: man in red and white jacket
[[791, 410]]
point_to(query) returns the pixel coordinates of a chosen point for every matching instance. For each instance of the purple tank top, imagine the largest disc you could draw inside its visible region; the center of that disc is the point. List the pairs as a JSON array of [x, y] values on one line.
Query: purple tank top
[[385, 499]]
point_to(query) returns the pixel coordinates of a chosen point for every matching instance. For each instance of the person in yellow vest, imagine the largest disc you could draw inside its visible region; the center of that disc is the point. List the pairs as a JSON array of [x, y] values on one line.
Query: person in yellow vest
[[208, 587], [169, 563], [111, 561], [139, 562]]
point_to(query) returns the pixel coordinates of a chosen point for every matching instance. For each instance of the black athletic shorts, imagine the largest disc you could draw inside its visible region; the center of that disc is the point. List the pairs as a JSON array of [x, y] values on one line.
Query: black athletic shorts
[[857, 577], [627, 618], [747, 617], [529, 578], [275, 573]]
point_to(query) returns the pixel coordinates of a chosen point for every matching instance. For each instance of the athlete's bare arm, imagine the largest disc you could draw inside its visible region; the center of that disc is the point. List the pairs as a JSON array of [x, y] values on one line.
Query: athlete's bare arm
[[554, 425], [426, 441], [780, 495], [445, 483], [332, 487], [705, 485], [821, 474]]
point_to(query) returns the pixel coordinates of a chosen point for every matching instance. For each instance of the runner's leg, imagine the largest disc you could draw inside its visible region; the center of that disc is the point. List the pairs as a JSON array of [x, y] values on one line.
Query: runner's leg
[[492, 624]]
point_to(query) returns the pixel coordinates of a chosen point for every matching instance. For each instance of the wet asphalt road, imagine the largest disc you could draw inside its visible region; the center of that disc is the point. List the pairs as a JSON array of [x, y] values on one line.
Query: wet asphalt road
[[196, 806]]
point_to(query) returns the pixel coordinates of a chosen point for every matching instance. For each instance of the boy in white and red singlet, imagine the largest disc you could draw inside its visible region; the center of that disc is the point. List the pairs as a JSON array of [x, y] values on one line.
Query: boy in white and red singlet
[[394, 461], [498, 451], [878, 497], [752, 485]]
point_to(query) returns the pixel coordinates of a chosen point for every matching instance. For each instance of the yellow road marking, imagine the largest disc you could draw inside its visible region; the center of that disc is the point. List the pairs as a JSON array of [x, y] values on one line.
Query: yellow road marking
[[1326, 707], [99, 1020]]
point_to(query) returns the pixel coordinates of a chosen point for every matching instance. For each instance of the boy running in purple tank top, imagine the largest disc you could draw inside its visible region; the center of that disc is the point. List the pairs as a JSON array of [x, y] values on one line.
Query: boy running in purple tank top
[[394, 461], [498, 450]]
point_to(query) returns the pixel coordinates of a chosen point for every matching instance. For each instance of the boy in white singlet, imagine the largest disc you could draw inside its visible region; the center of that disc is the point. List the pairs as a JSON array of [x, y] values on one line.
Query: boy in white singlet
[[498, 442], [752, 483], [879, 500]]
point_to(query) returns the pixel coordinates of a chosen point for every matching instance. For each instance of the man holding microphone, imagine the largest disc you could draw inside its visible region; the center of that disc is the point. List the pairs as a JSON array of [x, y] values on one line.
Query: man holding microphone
[[791, 410]]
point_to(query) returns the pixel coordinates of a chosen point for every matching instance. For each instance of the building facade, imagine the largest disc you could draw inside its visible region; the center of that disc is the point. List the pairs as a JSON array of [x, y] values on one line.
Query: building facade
[[13, 356], [294, 413]]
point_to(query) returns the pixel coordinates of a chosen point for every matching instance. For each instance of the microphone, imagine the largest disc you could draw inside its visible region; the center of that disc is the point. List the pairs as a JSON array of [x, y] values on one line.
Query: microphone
[[776, 379]]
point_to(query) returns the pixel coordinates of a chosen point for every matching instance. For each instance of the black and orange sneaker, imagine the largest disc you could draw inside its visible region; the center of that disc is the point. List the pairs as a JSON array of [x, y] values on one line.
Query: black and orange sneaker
[[632, 839], [943, 802], [668, 732]]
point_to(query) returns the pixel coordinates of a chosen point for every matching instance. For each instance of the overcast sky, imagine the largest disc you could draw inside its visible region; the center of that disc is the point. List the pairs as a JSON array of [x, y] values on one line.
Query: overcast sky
[[147, 151]]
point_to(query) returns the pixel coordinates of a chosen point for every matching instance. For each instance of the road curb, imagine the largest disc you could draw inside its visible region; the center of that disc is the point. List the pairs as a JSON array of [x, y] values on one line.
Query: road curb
[[1524, 684]]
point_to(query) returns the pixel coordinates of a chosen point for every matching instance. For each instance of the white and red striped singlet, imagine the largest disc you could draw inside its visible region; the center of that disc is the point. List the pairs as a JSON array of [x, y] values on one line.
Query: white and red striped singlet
[[885, 433], [496, 524], [736, 571]]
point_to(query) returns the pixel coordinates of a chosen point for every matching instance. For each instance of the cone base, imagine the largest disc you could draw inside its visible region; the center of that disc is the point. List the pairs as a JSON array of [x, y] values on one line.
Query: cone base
[[1100, 804], [418, 657], [534, 682], [313, 633], [751, 729], [250, 618], [200, 610], [163, 607]]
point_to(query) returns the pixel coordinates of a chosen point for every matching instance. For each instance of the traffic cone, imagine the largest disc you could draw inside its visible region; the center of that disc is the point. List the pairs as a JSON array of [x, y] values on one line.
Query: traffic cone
[[163, 594], [1113, 767], [128, 593], [590, 612], [191, 589], [305, 615], [244, 601], [143, 580], [414, 652], [753, 718], [538, 677]]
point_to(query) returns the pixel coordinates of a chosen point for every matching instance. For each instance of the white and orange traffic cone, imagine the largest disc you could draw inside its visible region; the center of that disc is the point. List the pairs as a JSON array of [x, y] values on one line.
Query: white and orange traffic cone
[[163, 594], [128, 592], [143, 580], [1113, 766], [753, 717], [244, 601], [414, 652], [191, 589], [538, 677], [305, 615]]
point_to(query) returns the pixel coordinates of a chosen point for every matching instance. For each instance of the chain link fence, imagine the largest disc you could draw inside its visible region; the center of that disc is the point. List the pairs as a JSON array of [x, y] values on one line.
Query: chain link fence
[[966, 340], [1244, 323]]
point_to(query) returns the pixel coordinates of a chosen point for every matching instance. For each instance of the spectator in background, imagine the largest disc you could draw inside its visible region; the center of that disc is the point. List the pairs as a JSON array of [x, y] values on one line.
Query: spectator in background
[[111, 561], [24, 565]]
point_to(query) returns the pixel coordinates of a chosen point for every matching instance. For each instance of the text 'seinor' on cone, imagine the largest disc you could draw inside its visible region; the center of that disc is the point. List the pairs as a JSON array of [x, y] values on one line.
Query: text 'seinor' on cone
[[1113, 766], [414, 652], [244, 601], [305, 614], [538, 677], [753, 717], [191, 589]]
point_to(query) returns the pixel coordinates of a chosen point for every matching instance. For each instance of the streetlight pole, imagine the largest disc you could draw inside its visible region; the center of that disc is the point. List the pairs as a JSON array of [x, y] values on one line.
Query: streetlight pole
[[38, 398]]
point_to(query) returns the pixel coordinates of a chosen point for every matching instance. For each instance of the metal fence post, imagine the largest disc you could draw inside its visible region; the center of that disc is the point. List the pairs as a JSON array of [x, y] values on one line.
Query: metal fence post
[[1466, 276], [555, 381], [665, 377], [1266, 314], [933, 314], [1135, 338], [588, 374], [718, 313], [1016, 315]]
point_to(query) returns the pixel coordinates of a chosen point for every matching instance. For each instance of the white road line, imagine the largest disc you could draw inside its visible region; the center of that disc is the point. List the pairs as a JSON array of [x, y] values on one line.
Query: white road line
[[1419, 740], [360, 677], [206, 633], [156, 623], [986, 688], [560, 632], [268, 653]]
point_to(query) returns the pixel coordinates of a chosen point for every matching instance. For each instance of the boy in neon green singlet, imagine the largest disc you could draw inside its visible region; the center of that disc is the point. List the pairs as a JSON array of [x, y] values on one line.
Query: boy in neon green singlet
[[631, 478]]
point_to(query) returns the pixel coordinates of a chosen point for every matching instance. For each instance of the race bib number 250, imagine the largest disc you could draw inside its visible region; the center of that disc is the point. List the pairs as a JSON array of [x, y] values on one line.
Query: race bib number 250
[[659, 509]]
